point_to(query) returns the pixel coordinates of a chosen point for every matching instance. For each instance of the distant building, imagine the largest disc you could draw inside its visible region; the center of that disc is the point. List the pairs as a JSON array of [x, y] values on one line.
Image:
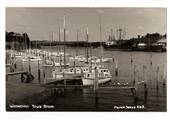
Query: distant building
[[162, 41]]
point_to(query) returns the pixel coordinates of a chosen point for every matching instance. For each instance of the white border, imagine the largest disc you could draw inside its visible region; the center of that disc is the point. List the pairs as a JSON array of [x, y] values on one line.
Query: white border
[[72, 115], [87, 3]]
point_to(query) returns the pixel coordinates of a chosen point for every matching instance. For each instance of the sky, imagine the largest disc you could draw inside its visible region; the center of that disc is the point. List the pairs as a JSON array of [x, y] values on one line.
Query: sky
[[40, 23]]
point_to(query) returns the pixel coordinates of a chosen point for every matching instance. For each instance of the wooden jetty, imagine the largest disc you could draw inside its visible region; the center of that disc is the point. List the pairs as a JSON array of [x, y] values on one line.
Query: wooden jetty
[[52, 83], [15, 73], [25, 76]]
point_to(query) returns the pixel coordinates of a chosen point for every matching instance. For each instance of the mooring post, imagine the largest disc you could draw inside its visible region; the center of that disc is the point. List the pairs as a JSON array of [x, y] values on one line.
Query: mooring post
[[53, 63], [44, 59], [96, 86], [44, 76], [116, 68], [22, 67], [134, 79], [11, 65], [145, 79], [15, 66], [81, 72], [136, 85], [11, 68], [151, 59], [157, 80], [22, 78], [164, 74], [131, 58], [29, 66], [39, 73]]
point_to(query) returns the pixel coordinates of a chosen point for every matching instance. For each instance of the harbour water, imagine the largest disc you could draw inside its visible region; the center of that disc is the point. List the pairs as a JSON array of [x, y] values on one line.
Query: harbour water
[[112, 99]]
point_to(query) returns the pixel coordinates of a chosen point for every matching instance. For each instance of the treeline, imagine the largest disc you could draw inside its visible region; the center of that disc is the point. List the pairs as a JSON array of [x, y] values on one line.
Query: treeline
[[16, 40], [68, 43], [22, 41], [148, 39]]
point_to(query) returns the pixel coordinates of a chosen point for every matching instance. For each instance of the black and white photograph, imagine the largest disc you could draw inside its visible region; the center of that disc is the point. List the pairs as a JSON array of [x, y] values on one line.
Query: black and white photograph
[[87, 59]]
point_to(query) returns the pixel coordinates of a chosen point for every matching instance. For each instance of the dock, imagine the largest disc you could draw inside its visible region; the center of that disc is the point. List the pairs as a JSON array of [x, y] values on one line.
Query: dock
[[15, 73], [25, 76], [76, 77]]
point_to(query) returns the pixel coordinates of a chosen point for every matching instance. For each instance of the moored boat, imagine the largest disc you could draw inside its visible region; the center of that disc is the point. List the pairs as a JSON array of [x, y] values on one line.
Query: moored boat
[[103, 76]]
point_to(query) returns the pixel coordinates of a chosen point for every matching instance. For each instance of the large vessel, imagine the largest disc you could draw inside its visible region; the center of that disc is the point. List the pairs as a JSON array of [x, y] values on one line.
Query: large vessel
[[149, 42], [113, 43]]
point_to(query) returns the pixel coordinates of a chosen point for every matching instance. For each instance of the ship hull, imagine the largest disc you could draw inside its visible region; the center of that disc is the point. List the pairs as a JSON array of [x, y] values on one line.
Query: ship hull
[[87, 81]]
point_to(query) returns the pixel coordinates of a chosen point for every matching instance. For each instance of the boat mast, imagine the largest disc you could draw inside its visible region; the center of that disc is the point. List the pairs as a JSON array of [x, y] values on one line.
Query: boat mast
[[87, 38], [13, 43], [59, 46], [120, 35], [101, 48], [51, 44], [111, 34], [29, 45], [36, 47], [64, 40], [25, 41], [77, 42]]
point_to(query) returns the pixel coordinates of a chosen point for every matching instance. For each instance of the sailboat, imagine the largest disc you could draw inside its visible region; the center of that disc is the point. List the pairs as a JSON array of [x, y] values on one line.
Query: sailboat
[[60, 73], [79, 58], [100, 73], [30, 57]]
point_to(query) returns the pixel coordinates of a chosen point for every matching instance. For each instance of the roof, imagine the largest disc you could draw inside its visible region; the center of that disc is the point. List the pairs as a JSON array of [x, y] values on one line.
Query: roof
[[163, 40]]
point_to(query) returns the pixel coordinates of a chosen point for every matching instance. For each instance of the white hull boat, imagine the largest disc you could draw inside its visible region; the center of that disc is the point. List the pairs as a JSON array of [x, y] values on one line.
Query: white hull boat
[[91, 81], [103, 76], [49, 62], [104, 60], [31, 58]]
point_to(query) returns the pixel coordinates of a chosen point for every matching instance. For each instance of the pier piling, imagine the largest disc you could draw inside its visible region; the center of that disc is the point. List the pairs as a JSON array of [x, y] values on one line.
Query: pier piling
[[22, 67], [151, 59], [145, 80], [116, 68], [134, 79], [157, 79], [135, 85], [131, 59], [39, 73], [29, 66], [44, 76], [96, 86], [22, 78], [164, 75], [15, 66]]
